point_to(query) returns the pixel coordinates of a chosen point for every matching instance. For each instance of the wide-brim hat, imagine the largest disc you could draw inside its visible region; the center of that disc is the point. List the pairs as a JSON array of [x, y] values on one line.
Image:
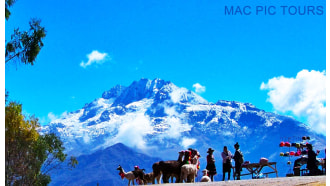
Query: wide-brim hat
[[210, 150], [236, 145]]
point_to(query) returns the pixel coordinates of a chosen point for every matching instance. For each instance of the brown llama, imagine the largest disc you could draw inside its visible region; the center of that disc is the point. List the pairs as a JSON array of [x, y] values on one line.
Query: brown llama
[[169, 168], [157, 173]]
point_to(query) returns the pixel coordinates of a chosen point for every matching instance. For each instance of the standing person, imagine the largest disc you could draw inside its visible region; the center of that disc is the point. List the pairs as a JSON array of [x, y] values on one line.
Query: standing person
[[226, 162], [238, 157], [311, 161], [211, 163]]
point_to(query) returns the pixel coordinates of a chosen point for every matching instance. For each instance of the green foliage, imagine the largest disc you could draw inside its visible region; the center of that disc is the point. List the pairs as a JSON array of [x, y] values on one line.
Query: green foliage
[[9, 3], [30, 156], [26, 45]]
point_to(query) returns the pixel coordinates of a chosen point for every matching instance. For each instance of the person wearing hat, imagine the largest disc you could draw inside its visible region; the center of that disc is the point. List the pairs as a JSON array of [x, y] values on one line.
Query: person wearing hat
[[311, 161], [211, 163], [226, 162], [238, 157]]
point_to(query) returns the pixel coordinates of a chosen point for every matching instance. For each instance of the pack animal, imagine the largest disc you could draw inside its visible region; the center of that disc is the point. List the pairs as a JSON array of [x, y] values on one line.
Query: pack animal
[[128, 175], [170, 168], [189, 171]]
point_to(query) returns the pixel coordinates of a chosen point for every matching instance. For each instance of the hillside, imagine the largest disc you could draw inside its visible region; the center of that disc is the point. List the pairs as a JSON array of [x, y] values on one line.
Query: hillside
[[100, 167]]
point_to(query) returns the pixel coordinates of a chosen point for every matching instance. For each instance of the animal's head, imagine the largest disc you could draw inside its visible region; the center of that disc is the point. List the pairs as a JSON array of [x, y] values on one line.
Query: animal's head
[[187, 153], [195, 160], [205, 172], [193, 152], [119, 168]]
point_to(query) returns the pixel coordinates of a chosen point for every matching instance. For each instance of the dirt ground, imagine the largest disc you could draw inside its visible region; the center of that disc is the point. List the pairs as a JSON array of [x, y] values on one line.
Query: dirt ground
[[282, 181]]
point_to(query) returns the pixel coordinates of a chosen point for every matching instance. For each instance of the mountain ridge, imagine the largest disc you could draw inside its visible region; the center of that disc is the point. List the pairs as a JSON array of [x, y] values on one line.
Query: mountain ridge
[[159, 119]]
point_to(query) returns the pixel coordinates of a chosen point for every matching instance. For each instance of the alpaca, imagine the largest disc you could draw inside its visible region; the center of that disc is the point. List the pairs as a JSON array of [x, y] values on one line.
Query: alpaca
[[171, 168], [149, 178], [139, 175], [128, 175], [205, 178], [189, 171]]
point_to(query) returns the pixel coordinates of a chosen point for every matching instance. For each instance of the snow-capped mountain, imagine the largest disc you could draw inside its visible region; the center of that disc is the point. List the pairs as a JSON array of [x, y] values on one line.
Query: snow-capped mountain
[[158, 118]]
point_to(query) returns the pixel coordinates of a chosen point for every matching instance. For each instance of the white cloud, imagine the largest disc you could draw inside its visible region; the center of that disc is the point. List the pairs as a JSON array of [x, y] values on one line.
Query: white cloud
[[133, 130], [95, 57], [176, 125], [304, 96], [199, 88], [176, 94], [186, 142], [53, 117]]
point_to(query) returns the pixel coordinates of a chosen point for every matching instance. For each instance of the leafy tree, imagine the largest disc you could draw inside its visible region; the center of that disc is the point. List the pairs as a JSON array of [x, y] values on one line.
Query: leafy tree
[[21, 134], [24, 46], [9, 3], [30, 156]]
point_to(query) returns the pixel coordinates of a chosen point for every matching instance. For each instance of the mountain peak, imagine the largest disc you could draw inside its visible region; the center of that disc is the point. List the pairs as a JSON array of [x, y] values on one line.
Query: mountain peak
[[113, 92], [138, 90]]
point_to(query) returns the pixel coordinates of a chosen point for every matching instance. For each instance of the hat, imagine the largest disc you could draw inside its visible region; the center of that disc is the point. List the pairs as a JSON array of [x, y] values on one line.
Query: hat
[[210, 150], [236, 145]]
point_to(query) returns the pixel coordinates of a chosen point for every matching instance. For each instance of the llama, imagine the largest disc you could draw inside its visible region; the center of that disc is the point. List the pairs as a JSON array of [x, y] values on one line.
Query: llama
[[189, 171], [157, 173], [171, 168], [128, 175], [205, 178]]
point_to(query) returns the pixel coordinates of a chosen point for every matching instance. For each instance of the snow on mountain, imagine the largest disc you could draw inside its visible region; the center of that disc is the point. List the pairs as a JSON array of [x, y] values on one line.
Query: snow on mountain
[[158, 118]]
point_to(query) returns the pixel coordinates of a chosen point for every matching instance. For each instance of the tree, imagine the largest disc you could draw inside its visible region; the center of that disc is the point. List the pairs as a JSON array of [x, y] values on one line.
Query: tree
[[30, 156], [9, 3], [24, 46], [20, 135]]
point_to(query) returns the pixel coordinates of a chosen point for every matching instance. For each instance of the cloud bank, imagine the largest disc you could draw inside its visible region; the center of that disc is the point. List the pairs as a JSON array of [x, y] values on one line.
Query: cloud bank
[[304, 96], [199, 88], [95, 57]]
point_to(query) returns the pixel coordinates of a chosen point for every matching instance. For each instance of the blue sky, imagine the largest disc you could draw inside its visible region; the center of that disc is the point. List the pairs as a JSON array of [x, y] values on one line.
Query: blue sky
[[92, 46]]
